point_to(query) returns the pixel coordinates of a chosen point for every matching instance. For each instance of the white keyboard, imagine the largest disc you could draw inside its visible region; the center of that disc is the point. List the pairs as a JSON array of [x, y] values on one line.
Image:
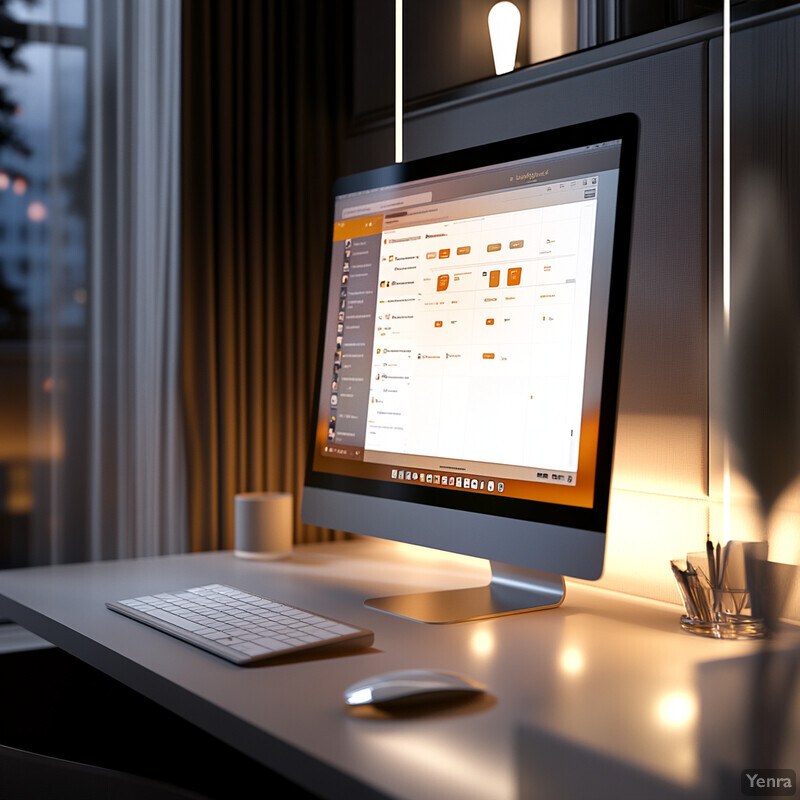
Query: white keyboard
[[240, 626]]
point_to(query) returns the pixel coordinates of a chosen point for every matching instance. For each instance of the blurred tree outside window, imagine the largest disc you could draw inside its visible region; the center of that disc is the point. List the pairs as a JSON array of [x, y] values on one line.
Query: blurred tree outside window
[[43, 61]]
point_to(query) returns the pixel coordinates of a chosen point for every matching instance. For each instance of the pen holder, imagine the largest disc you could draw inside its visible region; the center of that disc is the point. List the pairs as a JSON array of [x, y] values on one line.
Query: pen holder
[[720, 612]]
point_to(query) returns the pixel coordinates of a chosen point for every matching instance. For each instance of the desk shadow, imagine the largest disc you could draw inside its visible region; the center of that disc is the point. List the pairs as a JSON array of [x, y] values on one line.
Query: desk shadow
[[455, 707], [309, 560], [664, 622], [310, 655]]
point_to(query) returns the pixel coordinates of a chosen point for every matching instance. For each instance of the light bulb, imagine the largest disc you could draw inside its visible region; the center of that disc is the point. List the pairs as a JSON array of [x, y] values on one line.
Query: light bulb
[[504, 21]]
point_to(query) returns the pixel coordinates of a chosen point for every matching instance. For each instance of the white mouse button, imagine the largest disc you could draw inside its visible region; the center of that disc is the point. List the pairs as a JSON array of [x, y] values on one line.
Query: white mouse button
[[411, 685]]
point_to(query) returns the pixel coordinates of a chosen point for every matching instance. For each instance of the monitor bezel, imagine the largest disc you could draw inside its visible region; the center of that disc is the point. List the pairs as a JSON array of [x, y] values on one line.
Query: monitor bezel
[[624, 127]]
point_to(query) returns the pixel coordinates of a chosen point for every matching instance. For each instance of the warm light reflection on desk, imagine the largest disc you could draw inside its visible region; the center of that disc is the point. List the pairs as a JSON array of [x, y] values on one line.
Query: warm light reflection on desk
[[572, 661], [677, 709], [432, 761], [622, 692], [482, 643]]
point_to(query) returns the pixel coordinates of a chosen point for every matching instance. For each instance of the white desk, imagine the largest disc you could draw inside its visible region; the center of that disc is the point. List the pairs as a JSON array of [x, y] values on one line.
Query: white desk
[[602, 697]]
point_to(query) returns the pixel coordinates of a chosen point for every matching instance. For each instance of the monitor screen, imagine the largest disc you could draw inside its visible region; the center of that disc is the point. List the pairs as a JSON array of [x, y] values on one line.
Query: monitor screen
[[470, 347]]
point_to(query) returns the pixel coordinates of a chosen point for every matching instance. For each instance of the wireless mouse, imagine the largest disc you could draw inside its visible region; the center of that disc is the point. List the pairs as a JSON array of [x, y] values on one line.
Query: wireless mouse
[[410, 686]]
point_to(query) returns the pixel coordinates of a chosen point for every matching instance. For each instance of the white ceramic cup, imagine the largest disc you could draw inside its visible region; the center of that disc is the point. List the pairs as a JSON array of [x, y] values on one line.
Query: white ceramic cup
[[264, 523]]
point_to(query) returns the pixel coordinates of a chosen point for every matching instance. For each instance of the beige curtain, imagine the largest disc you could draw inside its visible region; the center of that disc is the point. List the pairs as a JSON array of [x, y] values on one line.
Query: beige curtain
[[263, 110]]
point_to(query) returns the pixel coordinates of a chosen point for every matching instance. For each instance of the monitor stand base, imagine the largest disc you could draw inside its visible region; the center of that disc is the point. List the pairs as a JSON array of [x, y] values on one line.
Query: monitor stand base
[[512, 590]]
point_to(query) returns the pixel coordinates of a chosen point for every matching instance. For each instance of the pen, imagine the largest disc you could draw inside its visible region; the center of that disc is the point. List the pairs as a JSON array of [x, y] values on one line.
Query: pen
[[712, 567], [685, 590], [724, 566], [696, 589]]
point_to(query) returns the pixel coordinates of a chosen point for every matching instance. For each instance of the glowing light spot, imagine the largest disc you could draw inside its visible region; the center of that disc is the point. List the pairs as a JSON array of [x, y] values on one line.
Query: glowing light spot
[[20, 186], [572, 662], [37, 212], [482, 643], [504, 21], [677, 709], [5, 181]]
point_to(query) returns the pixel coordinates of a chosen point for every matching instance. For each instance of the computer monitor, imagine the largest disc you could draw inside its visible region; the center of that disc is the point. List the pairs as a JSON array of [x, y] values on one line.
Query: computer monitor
[[469, 362]]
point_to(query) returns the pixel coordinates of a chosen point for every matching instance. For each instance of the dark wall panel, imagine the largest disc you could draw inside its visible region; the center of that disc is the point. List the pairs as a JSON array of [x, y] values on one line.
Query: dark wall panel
[[446, 45], [765, 271]]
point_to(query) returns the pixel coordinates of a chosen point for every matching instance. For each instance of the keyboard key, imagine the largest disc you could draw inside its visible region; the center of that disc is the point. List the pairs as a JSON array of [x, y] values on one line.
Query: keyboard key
[[173, 619], [268, 643], [344, 630]]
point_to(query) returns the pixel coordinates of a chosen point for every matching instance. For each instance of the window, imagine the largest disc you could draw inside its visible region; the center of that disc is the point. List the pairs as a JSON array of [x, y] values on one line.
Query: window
[[42, 174], [77, 323]]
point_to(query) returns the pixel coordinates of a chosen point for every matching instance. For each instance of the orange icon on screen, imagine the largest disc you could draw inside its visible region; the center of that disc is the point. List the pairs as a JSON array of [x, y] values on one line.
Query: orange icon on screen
[[463, 251], [490, 321], [494, 278], [444, 253], [514, 276], [430, 255], [437, 324], [442, 283], [488, 356]]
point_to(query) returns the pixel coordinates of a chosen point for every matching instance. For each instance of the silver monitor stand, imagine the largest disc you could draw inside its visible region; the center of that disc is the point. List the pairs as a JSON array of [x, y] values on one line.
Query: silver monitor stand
[[512, 590]]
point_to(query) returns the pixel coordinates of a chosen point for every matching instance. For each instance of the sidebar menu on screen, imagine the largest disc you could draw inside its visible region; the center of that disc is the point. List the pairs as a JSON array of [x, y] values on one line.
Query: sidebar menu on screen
[[356, 253]]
